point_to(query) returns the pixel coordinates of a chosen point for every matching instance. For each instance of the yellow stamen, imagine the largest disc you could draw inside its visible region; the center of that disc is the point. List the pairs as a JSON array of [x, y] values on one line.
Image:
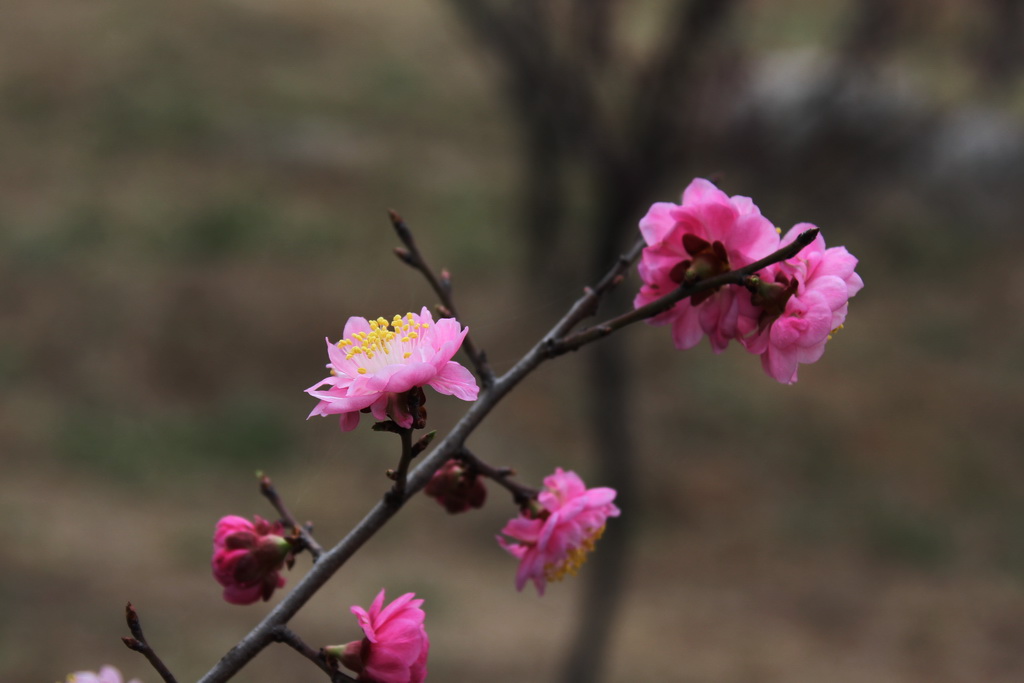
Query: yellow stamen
[[573, 560], [381, 338]]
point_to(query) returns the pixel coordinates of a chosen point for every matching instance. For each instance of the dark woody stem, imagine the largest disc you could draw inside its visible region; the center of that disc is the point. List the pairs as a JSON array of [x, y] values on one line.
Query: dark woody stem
[[137, 642], [271, 494], [396, 496], [442, 286], [283, 634], [554, 343], [734, 277], [522, 495]]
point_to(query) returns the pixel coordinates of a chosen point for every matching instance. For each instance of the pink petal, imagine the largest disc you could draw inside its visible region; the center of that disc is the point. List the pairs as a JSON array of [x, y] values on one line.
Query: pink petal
[[455, 380], [701, 190], [657, 223], [355, 324], [686, 329]]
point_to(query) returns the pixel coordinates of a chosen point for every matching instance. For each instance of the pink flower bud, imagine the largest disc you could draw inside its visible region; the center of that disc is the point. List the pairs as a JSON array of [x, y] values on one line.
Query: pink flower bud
[[395, 645], [247, 558], [456, 488]]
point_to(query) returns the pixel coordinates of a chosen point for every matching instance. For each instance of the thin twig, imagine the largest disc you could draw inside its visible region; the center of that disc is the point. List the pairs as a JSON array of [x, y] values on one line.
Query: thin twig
[[442, 286], [520, 493], [586, 305], [283, 634], [733, 277], [271, 494], [137, 642], [396, 496]]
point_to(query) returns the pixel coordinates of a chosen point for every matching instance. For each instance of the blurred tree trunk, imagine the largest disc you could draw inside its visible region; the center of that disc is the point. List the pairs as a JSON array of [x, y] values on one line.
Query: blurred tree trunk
[[556, 57]]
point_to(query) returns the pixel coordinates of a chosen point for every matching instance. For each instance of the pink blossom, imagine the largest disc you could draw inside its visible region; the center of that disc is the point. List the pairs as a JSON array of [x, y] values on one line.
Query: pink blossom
[[395, 644], [107, 674], [708, 234], [554, 539], [456, 487], [804, 300], [377, 362], [247, 558]]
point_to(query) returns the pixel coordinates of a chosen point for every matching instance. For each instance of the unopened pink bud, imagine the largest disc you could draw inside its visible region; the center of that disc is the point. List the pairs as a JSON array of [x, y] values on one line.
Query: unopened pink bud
[[247, 558], [456, 487], [395, 646]]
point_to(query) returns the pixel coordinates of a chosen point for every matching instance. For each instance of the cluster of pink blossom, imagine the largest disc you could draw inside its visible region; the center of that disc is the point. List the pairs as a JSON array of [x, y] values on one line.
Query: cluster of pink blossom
[[787, 312], [374, 369]]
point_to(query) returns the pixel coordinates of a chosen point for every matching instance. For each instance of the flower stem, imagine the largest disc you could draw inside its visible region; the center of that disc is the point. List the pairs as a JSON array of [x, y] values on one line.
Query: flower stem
[[271, 494], [283, 634], [442, 286], [137, 642], [520, 494], [556, 342]]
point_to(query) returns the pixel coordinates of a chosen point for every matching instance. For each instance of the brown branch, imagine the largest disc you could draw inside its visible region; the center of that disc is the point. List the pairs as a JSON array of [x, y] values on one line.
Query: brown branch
[[396, 496], [520, 494], [442, 286], [283, 634], [303, 530], [587, 305], [734, 277], [454, 443], [137, 642]]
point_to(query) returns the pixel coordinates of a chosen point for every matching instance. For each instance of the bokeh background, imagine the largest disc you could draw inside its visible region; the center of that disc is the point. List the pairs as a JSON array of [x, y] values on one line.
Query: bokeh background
[[193, 195]]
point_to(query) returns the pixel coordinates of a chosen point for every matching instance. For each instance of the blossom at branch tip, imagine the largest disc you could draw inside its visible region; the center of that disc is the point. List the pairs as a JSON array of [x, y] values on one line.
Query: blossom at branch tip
[[553, 539], [248, 557], [395, 645], [377, 362], [710, 233], [456, 487], [811, 292], [106, 674]]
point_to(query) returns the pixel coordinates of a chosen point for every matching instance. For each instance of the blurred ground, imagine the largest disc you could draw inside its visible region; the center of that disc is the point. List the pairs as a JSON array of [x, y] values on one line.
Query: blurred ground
[[193, 195]]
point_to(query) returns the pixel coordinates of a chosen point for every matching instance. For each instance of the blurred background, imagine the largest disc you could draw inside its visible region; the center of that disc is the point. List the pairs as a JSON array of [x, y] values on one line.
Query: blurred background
[[193, 195]]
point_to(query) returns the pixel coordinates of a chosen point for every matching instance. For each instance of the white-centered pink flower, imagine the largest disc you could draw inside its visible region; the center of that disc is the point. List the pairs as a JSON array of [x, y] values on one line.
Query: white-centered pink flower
[[395, 645], [378, 361], [815, 287], [708, 234], [106, 674], [554, 540]]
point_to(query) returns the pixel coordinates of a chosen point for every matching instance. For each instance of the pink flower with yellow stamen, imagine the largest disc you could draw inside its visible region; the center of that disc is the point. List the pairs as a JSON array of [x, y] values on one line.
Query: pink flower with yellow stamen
[[378, 361], [554, 540]]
